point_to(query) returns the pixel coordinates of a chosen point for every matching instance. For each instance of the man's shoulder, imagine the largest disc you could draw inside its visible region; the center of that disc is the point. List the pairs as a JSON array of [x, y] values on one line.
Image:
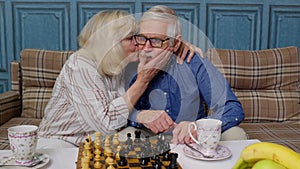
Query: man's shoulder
[[196, 60]]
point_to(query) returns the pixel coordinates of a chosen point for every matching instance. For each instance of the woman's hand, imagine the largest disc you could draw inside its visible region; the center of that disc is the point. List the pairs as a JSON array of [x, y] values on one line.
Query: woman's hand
[[183, 50], [148, 69]]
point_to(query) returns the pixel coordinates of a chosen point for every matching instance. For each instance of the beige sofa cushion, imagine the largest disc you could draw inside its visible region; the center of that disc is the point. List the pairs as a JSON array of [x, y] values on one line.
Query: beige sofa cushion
[[39, 69], [266, 81]]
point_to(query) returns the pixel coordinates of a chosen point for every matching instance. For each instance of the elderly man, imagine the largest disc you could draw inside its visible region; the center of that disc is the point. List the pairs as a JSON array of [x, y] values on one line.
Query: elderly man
[[175, 95]]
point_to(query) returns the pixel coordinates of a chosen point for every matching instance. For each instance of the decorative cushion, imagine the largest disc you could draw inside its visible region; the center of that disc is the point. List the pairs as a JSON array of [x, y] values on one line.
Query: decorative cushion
[[286, 133], [10, 105], [15, 76], [266, 82], [40, 69]]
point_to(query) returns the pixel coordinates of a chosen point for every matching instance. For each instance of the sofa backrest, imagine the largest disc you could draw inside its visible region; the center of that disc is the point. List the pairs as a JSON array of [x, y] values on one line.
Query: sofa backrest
[[266, 81], [39, 70]]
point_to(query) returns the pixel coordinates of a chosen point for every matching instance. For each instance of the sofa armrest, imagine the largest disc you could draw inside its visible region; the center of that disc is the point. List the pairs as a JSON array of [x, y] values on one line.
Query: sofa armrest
[[10, 106]]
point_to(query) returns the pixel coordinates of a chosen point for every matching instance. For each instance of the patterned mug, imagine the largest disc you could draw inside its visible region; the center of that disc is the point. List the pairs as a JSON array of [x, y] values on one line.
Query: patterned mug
[[208, 135], [23, 141]]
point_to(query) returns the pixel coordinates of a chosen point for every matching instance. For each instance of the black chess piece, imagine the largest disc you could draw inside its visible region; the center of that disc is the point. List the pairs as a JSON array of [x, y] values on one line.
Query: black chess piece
[[157, 164], [166, 156], [129, 142], [166, 153], [147, 145], [137, 136], [173, 163], [144, 159], [123, 161]]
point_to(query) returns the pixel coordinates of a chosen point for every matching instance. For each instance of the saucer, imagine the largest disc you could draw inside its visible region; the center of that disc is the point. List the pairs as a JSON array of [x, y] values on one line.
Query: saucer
[[222, 152], [10, 160]]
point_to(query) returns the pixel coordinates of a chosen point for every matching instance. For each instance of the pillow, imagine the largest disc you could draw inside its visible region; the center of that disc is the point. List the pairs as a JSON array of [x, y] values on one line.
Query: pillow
[[265, 81], [39, 69]]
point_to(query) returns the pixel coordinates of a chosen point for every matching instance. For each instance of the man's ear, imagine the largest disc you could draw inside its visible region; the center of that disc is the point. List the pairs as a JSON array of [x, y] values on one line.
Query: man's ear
[[177, 42]]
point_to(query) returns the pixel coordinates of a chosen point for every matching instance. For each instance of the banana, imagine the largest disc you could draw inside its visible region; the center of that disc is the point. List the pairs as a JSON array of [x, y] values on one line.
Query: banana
[[241, 164], [267, 164], [271, 151]]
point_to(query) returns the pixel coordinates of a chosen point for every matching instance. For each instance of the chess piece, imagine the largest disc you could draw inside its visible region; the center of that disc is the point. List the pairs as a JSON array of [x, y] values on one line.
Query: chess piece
[[97, 141], [123, 160], [137, 136], [157, 163], [85, 162], [107, 147], [173, 163], [118, 153], [107, 141], [144, 157], [116, 140], [97, 159], [147, 144], [88, 147], [109, 160], [129, 142], [165, 154]]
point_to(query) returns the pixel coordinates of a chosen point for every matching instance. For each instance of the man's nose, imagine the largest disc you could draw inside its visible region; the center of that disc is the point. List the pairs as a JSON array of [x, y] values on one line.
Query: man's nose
[[147, 46]]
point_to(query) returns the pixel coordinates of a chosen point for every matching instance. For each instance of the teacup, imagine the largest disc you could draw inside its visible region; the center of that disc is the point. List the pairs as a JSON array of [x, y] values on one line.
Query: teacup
[[208, 135], [23, 141]]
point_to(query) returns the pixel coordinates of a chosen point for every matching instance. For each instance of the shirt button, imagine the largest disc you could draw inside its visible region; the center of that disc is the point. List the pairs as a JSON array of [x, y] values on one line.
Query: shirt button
[[167, 110], [165, 93], [236, 119]]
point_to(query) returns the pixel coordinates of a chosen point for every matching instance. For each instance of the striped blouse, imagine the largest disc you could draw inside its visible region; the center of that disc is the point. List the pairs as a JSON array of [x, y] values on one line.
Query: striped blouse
[[82, 102]]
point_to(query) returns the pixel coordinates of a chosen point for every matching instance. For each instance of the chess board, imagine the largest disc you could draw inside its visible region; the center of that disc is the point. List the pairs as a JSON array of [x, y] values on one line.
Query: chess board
[[132, 157]]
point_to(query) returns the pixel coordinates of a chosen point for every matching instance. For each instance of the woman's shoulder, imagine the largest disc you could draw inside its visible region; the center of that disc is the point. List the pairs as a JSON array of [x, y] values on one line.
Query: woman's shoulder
[[79, 60]]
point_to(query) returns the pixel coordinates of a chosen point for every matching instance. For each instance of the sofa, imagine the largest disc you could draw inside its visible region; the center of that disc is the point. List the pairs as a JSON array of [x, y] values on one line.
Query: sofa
[[266, 82]]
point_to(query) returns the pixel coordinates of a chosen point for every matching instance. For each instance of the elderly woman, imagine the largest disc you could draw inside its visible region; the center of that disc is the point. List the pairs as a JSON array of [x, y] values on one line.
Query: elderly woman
[[89, 93]]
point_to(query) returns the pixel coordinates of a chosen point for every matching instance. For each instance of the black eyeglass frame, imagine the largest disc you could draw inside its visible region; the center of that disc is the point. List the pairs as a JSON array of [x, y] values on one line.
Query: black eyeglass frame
[[162, 41]]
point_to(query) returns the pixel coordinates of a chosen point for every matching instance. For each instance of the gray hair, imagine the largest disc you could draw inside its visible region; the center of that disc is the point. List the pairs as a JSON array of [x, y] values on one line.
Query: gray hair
[[164, 14]]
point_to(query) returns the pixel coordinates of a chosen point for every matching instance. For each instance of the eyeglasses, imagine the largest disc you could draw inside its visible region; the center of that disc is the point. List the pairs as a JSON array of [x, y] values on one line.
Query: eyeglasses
[[128, 38], [154, 42]]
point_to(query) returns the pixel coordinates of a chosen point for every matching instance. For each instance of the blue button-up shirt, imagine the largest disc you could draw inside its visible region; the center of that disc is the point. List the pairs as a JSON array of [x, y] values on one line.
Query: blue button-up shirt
[[181, 89]]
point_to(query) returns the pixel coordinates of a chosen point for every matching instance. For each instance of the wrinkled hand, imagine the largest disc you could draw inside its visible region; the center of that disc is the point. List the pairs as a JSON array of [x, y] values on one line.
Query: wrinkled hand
[[181, 134], [147, 70], [155, 120], [183, 50]]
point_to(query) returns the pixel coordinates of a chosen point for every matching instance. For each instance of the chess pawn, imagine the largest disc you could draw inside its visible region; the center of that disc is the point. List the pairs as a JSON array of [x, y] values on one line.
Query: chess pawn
[[107, 141], [97, 136], [107, 145], [97, 146], [118, 152], [97, 142], [116, 140], [107, 151], [110, 162], [97, 159]]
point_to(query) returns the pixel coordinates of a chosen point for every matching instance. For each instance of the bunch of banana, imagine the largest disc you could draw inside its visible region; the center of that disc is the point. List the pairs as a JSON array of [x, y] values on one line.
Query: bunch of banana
[[266, 155]]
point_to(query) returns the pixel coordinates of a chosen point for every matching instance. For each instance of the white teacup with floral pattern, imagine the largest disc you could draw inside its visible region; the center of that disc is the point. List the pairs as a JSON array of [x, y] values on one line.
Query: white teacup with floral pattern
[[23, 141], [208, 135]]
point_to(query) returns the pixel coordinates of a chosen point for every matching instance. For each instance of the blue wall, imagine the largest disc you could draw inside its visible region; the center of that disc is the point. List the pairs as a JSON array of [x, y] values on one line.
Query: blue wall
[[231, 24]]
